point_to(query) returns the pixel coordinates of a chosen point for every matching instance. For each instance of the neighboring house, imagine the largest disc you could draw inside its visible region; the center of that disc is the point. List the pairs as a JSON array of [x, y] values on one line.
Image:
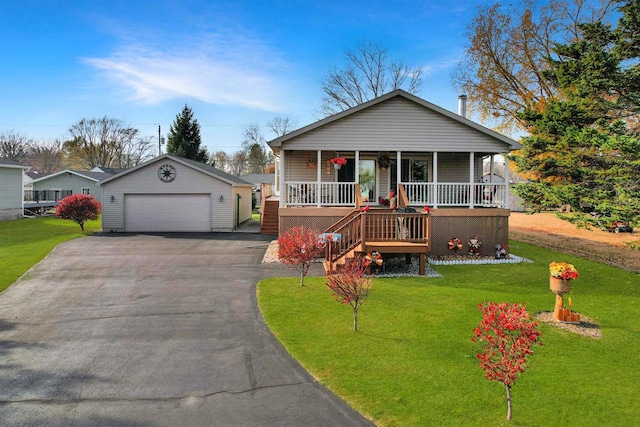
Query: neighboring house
[[11, 189], [260, 178], [427, 155], [68, 182], [171, 193]]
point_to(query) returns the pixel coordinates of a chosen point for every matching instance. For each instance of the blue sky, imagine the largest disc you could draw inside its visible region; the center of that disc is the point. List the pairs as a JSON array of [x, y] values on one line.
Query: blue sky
[[235, 63]]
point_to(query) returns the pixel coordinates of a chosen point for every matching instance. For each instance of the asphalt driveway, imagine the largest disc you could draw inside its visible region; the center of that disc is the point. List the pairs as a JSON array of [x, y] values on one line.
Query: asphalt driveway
[[137, 330]]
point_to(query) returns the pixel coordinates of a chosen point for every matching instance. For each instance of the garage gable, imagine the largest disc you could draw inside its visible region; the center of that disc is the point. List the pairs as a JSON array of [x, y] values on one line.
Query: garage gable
[[167, 195]]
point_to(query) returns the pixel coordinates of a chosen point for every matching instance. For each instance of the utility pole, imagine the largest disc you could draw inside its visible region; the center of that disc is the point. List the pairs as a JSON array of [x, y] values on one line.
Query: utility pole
[[159, 142]]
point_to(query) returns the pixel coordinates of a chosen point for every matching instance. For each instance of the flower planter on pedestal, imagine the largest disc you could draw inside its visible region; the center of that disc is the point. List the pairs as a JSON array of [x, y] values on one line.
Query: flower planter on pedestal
[[559, 287]]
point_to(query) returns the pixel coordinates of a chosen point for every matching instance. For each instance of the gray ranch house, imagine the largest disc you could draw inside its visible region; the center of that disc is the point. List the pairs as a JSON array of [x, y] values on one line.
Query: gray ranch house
[[59, 184], [345, 174], [11, 189], [174, 194]]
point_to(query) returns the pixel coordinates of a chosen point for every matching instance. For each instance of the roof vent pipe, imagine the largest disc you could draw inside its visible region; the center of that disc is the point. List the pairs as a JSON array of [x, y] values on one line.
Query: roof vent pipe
[[462, 105]]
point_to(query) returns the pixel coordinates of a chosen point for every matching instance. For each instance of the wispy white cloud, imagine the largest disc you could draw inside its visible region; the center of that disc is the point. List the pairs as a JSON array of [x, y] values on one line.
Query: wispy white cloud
[[442, 64], [222, 70]]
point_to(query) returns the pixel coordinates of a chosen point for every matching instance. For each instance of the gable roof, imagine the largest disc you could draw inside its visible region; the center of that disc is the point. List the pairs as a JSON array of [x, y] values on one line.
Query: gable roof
[[92, 176], [202, 167], [35, 175], [260, 178], [110, 171], [276, 143], [10, 164]]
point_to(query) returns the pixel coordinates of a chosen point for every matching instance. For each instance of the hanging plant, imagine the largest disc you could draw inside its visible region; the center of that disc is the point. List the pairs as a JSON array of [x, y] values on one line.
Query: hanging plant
[[384, 162], [339, 161]]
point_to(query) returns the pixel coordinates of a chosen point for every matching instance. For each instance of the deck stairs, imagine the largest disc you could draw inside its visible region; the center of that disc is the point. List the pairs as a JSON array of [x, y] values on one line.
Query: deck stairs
[[380, 230], [269, 219]]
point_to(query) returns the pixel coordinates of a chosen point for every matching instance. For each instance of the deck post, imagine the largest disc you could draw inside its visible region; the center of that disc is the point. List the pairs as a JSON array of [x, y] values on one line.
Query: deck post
[[423, 264]]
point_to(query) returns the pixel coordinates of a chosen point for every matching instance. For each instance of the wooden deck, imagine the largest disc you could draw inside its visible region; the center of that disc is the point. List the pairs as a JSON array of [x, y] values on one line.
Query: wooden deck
[[360, 233]]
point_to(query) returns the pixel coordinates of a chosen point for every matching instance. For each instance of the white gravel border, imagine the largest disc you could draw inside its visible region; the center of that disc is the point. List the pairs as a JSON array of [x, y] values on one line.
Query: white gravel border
[[512, 259]]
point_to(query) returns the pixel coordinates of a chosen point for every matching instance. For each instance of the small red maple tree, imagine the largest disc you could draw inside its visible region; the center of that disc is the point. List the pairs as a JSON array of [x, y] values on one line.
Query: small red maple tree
[[350, 285], [506, 335], [79, 208], [298, 247]]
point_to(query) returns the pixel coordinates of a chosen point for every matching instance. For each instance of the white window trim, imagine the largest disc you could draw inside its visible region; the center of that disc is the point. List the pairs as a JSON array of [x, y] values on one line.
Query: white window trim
[[85, 188], [425, 157]]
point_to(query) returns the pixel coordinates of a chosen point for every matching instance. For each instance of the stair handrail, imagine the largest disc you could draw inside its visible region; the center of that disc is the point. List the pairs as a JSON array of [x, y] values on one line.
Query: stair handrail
[[350, 237]]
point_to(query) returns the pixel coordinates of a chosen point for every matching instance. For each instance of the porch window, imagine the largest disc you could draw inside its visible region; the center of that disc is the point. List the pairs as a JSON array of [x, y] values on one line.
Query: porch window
[[85, 190], [413, 170]]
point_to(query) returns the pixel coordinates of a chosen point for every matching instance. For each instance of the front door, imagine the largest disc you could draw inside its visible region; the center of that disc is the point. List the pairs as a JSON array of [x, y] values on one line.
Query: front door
[[366, 179]]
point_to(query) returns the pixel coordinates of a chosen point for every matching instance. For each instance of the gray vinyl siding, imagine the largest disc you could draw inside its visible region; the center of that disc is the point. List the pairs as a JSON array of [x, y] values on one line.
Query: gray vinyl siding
[[245, 204], [10, 193], [71, 182], [188, 181], [397, 124]]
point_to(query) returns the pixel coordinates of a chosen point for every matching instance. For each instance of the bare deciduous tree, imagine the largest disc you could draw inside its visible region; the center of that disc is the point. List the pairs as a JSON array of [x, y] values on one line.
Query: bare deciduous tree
[[46, 156], [506, 58], [238, 164], [220, 160], [97, 142], [15, 146], [134, 152], [367, 74], [281, 125]]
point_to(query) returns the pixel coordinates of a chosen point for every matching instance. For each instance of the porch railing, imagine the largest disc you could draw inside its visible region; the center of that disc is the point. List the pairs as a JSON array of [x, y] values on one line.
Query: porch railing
[[43, 196], [418, 194], [481, 194], [320, 194]]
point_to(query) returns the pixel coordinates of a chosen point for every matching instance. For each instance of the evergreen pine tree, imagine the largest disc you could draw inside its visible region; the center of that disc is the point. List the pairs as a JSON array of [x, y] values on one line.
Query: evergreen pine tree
[[184, 137], [584, 146]]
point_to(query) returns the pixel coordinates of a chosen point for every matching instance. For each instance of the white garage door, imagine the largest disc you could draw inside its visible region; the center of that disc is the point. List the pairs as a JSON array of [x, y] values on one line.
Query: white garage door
[[167, 212]]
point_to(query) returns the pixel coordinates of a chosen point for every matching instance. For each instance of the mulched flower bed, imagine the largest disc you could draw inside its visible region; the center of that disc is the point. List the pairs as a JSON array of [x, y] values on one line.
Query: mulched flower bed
[[587, 327]]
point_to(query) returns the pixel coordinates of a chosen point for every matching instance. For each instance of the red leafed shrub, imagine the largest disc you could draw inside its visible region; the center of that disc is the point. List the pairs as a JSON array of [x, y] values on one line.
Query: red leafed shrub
[[350, 285], [298, 247], [506, 335], [79, 208]]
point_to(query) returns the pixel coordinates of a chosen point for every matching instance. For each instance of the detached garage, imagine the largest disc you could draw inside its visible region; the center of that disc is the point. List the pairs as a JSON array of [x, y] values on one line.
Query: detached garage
[[170, 193]]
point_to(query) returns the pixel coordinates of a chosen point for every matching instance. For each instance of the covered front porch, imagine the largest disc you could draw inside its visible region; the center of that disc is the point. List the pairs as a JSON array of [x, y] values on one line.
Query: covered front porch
[[433, 179]]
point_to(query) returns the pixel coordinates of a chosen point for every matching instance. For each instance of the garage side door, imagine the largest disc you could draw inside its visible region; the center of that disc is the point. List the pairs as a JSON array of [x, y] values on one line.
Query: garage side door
[[167, 212]]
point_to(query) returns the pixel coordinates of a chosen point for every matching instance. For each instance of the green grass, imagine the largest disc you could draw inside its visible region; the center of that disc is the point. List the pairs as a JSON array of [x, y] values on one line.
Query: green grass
[[24, 242], [412, 363]]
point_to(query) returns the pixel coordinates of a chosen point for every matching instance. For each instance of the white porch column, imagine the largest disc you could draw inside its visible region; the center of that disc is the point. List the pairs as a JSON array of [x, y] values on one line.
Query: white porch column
[[435, 179], [471, 180], [398, 169], [506, 182], [276, 178], [282, 190], [357, 171], [318, 178], [491, 168]]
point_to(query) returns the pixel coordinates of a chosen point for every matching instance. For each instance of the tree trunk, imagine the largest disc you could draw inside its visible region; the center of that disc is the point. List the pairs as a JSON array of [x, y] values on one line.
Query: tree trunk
[[82, 226], [508, 402], [355, 319], [301, 278]]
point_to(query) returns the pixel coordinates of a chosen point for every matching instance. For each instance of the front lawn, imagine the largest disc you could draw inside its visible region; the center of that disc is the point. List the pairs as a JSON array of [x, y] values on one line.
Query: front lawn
[[24, 242], [412, 363]]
